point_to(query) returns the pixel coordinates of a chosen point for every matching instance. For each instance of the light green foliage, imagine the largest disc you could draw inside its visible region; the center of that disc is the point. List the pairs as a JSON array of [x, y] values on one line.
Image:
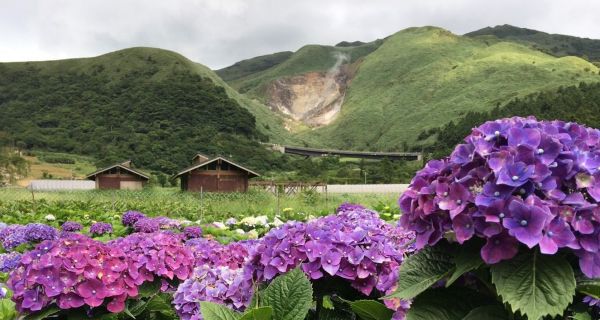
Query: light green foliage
[[423, 269], [371, 310], [289, 295], [214, 311], [17, 206], [420, 78], [492, 312], [537, 285], [7, 310]]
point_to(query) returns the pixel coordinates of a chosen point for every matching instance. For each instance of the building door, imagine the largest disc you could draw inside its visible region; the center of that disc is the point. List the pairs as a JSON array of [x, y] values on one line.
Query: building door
[[131, 185]]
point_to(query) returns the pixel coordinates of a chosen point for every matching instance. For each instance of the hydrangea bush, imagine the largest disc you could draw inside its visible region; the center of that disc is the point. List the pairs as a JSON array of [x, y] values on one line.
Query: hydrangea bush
[[521, 192]]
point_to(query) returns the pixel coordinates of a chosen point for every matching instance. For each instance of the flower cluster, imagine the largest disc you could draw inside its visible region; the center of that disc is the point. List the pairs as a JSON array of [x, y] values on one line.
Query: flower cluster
[[151, 225], [71, 226], [101, 228], [211, 252], [219, 284], [514, 181], [131, 217], [192, 232], [15, 235], [72, 271], [160, 254], [355, 245], [12, 236], [9, 261]]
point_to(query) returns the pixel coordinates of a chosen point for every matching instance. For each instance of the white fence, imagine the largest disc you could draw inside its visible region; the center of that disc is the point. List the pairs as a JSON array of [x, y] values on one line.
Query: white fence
[[365, 188], [56, 185]]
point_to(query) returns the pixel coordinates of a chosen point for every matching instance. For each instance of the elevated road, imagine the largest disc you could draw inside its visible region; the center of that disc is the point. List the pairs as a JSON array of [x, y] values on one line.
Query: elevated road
[[312, 152]]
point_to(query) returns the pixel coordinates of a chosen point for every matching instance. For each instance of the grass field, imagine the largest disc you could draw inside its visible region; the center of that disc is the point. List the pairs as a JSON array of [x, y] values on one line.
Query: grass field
[[40, 169], [19, 203]]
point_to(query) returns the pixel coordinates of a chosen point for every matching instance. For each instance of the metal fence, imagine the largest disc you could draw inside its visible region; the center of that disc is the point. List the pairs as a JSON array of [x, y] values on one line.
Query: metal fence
[[56, 185]]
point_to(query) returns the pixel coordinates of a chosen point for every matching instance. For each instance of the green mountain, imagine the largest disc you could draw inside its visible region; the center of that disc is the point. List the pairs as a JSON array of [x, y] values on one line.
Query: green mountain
[[153, 106], [419, 78], [310, 58], [253, 65], [555, 44], [580, 104]]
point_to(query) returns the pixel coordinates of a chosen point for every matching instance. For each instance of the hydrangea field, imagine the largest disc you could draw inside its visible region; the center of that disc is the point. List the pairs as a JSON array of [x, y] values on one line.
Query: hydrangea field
[[506, 227]]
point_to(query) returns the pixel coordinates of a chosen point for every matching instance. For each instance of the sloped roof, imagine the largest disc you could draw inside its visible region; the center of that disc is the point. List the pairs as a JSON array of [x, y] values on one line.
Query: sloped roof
[[121, 165], [202, 164]]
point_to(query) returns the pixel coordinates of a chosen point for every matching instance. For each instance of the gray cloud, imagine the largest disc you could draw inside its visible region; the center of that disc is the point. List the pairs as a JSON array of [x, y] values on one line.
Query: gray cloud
[[220, 32]]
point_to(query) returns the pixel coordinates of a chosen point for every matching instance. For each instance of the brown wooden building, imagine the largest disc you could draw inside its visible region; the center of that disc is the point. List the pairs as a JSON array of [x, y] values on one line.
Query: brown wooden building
[[214, 175], [119, 176]]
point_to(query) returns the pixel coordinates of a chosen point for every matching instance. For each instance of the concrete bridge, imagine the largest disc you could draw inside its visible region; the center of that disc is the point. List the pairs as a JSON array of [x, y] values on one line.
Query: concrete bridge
[[313, 152]]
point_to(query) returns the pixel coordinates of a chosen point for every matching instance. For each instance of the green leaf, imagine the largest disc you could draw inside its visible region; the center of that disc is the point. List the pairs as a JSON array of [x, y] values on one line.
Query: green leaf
[[467, 258], [262, 313], [581, 316], [290, 295], [327, 314], [452, 303], [535, 284], [215, 311], [422, 270], [493, 312], [371, 310], [43, 314], [7, 310], [159, 304], [590, 287], [148, 289]]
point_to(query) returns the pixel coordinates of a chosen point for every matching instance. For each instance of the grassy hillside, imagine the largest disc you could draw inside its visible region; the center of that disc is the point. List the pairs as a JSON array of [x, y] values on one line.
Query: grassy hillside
[[153, 106], [555, 44], [574, 103], [249, 66], [306, 59], [421, 78]]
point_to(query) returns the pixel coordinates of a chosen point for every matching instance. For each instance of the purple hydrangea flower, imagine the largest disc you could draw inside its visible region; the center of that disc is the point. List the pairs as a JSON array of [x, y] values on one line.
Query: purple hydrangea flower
[[514, 181], [71, 226], [9, 261], [101, 228], [37, 232], [192, 232], [131, 217]]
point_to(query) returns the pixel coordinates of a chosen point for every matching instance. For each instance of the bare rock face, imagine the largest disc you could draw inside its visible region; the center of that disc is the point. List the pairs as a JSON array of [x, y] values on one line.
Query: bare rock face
[[314, 98]]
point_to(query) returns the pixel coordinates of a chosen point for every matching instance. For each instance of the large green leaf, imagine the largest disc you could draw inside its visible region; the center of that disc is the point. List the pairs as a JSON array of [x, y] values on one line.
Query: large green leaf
[[262, 313], [371, 310], [422, 270], [493, 312], [148, 289], [466, 259], [290, 296], [215, 311], [590, 287], [7, 310], [537, 285], [160, 303], [452, 303]]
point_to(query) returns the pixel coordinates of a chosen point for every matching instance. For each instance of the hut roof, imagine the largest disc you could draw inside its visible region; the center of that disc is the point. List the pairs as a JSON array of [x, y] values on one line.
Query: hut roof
[[202, 164], [126, 165]]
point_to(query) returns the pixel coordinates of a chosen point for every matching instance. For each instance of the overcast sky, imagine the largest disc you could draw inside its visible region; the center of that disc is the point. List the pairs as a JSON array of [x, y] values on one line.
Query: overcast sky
[[220, 32]]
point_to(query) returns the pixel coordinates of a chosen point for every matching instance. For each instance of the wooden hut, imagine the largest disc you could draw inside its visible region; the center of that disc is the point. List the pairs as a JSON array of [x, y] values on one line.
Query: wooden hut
[[119, 176], [214, 175]]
